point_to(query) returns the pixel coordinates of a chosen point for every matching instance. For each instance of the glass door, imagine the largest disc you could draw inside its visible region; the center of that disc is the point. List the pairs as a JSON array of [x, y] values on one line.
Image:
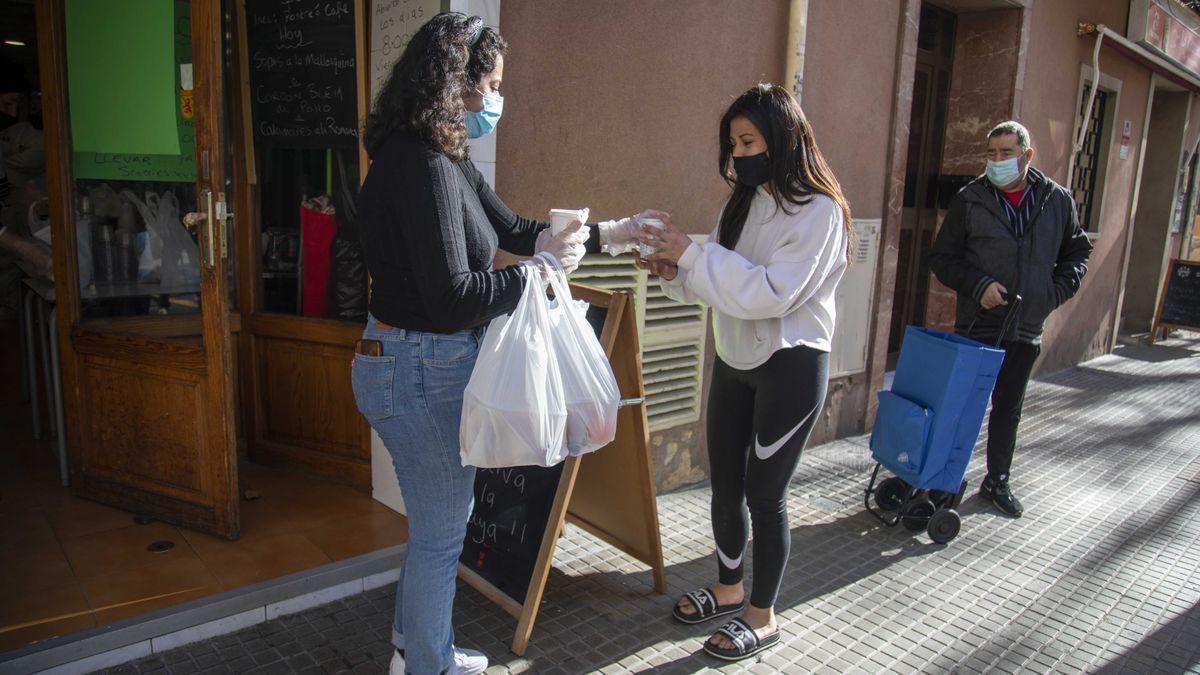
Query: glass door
[[138, 194]]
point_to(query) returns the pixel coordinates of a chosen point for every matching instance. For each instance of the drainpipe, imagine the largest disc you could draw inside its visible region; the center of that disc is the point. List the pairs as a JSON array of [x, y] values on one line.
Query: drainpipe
[[1138, 52], [793, 70], [1087, 111], [1171, 71]]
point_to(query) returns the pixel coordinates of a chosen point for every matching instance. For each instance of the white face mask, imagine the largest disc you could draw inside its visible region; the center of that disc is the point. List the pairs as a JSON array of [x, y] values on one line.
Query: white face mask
[[1005, 172]]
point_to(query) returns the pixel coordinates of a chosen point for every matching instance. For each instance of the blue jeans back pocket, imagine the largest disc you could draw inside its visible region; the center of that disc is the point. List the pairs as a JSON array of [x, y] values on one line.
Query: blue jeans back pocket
[[371, 378], [450, 350]]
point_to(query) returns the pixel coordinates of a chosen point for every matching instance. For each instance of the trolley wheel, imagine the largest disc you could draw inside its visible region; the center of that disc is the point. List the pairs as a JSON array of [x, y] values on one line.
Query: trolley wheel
[[890, 493], [944, 526], [916, 514]]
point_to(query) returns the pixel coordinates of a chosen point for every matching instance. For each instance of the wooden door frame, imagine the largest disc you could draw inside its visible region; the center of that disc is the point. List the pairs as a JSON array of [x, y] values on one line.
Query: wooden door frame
[[258, 325], [212, 365], [931, 157]]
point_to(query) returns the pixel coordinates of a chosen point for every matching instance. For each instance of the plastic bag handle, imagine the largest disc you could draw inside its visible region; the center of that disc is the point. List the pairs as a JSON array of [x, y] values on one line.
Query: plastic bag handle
[[558, 278], [554, 262]]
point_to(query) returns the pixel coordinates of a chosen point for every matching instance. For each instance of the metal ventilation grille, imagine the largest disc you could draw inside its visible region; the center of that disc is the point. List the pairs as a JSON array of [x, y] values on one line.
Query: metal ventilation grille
[[672, 337], [609, 273], [673, 376], [670, 321]]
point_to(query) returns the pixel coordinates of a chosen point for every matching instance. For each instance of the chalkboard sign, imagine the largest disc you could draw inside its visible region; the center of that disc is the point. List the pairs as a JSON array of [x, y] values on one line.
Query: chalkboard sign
[[303, 68], [520, 512], [504, 534], [393, 24], [1180, 304], [512, 509]]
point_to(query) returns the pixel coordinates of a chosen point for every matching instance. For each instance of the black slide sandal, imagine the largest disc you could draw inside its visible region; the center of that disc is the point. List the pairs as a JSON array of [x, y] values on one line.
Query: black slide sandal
[[746, 642], [705, 602]]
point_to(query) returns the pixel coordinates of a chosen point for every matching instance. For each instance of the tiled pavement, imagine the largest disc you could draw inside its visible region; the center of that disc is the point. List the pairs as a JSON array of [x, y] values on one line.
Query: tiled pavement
[[1101, 575]]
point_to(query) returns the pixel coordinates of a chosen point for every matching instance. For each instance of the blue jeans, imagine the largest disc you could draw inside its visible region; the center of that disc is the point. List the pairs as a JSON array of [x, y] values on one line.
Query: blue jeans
[[412, 396]]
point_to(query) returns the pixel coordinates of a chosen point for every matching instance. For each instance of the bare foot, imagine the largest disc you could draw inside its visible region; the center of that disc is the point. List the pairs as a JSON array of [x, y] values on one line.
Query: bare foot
[[726, 595], [761, 620]]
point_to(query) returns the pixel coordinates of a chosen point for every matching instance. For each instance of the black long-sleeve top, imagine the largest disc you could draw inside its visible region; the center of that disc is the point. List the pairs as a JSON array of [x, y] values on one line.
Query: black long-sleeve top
[[430, 229]]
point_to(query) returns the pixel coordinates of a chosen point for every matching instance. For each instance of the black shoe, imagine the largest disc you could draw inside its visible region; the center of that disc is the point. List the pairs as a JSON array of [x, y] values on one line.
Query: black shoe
[[997, 490]]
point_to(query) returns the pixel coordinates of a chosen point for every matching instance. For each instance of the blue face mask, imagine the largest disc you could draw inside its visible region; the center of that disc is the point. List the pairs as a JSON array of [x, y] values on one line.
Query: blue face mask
[[1003, 173], [484, 122]]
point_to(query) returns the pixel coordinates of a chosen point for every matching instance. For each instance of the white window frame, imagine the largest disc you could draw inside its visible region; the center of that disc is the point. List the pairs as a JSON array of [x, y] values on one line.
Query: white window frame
[[1112, 86]]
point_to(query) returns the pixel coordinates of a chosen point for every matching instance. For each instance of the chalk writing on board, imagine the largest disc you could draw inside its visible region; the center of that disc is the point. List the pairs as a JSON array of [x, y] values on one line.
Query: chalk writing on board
[[302, 64], [393, 24], [511, 514], [508, 523]]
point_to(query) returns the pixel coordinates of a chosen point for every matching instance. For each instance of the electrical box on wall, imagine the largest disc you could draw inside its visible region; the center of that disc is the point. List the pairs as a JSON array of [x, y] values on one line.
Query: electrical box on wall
[[855, 300]]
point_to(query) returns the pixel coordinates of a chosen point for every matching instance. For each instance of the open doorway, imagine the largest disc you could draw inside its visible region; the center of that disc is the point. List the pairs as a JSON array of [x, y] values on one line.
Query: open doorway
[[1164, 173], [149, 366], [927, 129]]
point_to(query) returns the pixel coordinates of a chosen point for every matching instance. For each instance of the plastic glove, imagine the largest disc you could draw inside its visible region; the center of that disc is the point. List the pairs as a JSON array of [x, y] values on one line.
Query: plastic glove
[[544, 263], [621, 236], [570, 258], [567, 247], [544, 237]]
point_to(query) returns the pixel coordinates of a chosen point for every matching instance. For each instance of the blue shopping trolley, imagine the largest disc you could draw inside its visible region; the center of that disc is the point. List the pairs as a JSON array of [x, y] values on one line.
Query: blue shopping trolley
[[927, 426]]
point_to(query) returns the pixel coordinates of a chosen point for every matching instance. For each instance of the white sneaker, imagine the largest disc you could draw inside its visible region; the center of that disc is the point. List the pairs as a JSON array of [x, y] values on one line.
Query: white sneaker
[[466, 662]]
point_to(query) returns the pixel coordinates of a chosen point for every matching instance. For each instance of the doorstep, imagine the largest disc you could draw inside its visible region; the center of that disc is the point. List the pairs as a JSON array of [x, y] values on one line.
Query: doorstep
[[166, 629]]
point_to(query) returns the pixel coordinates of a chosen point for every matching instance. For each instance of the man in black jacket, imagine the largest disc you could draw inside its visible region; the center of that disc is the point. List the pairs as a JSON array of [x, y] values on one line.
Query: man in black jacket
[[1012, 231]]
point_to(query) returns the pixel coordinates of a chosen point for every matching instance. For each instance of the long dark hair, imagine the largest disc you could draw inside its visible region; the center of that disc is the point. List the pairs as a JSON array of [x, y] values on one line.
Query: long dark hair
[[424, 93], [797, 167]]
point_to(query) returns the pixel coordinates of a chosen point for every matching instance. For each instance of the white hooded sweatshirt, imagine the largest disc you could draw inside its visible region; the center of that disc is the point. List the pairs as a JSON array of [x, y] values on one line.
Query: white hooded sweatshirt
[[775, 290]]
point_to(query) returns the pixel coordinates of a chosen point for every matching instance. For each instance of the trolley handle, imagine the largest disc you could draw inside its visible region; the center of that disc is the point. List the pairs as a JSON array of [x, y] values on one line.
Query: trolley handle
[[1014, 304], [1013, 301]]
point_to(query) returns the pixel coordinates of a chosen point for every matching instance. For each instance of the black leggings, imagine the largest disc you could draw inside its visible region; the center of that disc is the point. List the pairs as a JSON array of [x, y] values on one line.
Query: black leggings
[[758, 422]]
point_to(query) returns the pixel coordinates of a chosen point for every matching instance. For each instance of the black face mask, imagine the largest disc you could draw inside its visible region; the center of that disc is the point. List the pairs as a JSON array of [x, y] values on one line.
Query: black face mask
[[752, 170]]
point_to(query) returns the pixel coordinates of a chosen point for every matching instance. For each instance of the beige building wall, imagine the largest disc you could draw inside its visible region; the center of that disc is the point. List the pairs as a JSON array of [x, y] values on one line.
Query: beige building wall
[[849, 95], [615, 106], [849, 83], [1081, 329]]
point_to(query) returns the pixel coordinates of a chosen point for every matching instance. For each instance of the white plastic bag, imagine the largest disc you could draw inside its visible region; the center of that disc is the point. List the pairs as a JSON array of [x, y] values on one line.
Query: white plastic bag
[[513, 409], [168, 255], [589, 386]]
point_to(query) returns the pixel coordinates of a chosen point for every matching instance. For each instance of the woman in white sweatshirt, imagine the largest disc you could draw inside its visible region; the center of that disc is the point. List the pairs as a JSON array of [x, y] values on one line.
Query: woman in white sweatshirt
[[768, 272]]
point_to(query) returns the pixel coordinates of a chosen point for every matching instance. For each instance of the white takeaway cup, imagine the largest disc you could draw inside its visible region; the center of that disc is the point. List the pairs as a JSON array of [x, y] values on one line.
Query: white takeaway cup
[[646, 249], [561, 218]]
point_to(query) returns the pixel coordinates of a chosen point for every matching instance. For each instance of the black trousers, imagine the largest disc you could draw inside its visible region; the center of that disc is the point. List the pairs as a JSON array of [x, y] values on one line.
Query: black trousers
[[1007, 399], [758, 423]]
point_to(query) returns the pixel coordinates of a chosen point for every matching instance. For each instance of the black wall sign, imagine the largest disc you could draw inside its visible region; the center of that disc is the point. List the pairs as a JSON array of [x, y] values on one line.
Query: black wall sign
[[512, 509], [303, 69], [1181, 301]]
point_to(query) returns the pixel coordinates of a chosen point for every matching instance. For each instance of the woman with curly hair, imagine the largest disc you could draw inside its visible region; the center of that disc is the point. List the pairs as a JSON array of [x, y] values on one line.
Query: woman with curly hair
[[430, 228]]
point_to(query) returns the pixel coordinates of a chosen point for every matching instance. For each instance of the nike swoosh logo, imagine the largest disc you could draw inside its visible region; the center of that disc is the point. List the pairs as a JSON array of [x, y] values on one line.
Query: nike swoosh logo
[[766, 451], [730, 563]]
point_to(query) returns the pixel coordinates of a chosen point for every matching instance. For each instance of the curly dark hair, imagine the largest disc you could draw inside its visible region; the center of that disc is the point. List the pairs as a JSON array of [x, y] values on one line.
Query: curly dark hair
[[442, 63]]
